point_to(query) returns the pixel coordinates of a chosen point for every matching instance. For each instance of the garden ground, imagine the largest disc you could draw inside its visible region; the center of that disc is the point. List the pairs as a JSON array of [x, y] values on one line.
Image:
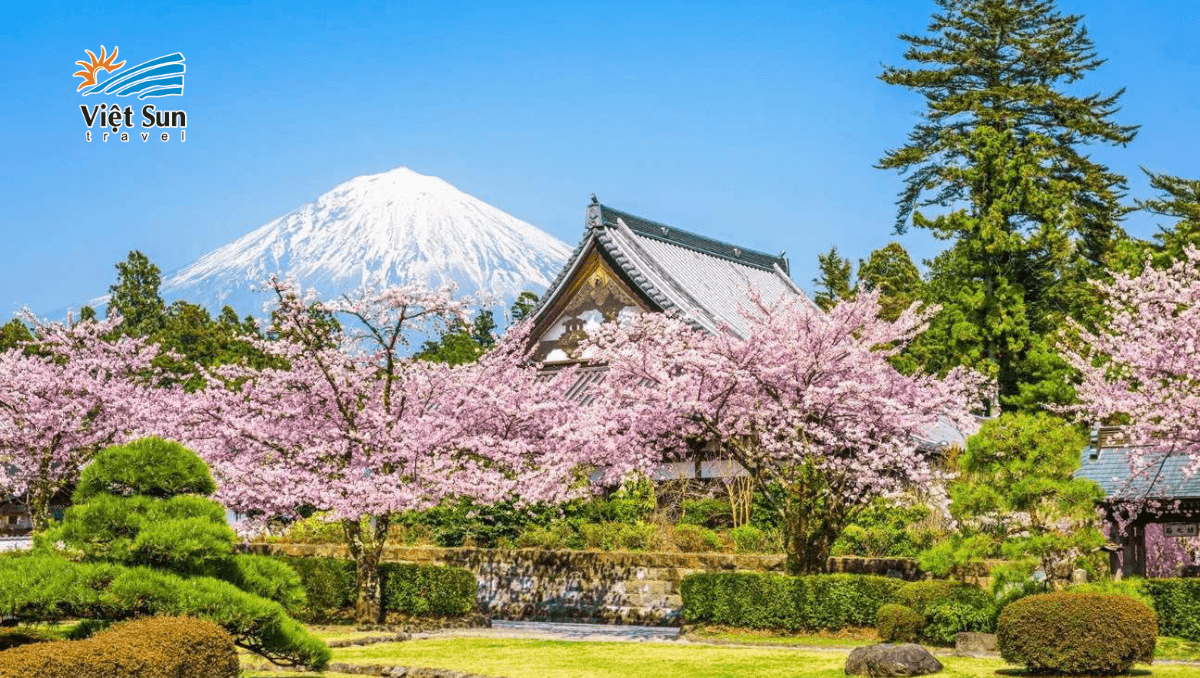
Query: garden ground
[[755, 656]]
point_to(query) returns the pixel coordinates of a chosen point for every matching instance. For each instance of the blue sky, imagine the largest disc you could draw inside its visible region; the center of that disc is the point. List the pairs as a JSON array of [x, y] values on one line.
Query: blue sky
[[757, 124]]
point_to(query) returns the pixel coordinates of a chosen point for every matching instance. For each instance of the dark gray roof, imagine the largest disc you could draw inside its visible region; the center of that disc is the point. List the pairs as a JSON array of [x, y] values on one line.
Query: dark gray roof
[[1165, 477], [693, 241], [705, 280]]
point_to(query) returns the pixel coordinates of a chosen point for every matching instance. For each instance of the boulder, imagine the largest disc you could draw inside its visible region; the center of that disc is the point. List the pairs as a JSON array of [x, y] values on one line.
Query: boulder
[[891, 660], [976, 645]]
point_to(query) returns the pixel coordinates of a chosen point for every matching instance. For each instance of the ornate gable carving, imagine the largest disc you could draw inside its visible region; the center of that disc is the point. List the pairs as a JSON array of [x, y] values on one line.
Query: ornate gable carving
[[595, 295]]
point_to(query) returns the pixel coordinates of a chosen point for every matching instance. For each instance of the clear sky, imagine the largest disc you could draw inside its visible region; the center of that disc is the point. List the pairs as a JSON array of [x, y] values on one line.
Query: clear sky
[[753, 122]]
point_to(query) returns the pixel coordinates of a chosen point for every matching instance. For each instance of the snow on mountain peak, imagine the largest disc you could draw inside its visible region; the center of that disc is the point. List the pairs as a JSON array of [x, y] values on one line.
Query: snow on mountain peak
[[374, 230]]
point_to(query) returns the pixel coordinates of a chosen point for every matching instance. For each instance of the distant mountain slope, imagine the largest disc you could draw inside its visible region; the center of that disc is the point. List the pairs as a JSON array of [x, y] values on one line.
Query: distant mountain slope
[[379, 229]]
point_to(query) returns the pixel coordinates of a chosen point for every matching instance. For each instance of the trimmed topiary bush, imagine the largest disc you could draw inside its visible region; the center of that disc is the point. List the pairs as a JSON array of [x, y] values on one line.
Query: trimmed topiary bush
[[898, 624], [428, 589], [160, 647], [266, 577], [1077, 633], [150, 467], [949, 608], [766, 600], [44, 588]]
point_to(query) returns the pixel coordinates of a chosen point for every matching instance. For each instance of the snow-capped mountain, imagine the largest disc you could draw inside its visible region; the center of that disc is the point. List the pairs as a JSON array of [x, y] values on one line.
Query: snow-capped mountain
[[376, 230]]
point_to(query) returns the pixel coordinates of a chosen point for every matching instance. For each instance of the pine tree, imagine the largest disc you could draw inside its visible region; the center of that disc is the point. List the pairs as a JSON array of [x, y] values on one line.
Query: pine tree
[[1178, 199], [135, 295], [998, 121], [14, 334], [523, 306], [834, 281], [1002, 64], [890, 270]]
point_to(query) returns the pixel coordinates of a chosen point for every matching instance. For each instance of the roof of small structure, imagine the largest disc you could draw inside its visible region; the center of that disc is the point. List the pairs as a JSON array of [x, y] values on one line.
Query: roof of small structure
[[705, 280], [1163, 477]]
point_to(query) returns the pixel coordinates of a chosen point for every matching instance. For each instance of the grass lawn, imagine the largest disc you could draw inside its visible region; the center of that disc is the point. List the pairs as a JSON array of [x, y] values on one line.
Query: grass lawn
[[568, 659]]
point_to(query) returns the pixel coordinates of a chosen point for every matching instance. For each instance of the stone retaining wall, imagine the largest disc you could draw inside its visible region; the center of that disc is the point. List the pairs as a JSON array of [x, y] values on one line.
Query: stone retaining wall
[[587, 586]]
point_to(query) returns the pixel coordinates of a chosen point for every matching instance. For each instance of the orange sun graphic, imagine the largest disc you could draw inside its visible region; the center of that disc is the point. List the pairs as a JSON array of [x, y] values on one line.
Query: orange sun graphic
[[104, 63]]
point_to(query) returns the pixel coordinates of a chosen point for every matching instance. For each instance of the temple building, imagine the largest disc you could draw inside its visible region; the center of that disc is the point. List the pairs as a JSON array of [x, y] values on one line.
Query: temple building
[[1153, 515], [627, 264]]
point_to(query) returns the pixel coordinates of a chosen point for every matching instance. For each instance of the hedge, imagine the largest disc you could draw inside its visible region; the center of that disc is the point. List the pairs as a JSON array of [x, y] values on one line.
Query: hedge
[[44, 588], [765, 600], [1177, 602], [433, 590], [898, 623], [1077, 633], [158, 647]]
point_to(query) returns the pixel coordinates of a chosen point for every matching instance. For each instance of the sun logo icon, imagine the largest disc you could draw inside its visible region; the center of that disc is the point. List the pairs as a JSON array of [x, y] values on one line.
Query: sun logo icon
[[104, 63]]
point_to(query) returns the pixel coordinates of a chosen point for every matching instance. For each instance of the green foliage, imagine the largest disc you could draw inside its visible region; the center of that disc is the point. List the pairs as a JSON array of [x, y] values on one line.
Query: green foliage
[[132, 507], [150, 467], [556, 536], [428, 589], [1017, 498], [613, 536], [890, 270], [1077, 633], [750, 539], [774, 601], [329, 586], [161, 647], [462, 342], [135, 297], [886, 529], [1177, 198], [523, 306], [14, 334], [266, 577], [834, 281], [710, 513], [188, 545], [898, 624], [948, 608], [46, 588], [1177, 602], [696, 539]]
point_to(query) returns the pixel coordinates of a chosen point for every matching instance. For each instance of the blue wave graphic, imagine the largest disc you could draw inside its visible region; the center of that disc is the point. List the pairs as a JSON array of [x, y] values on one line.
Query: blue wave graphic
[[159, 77]]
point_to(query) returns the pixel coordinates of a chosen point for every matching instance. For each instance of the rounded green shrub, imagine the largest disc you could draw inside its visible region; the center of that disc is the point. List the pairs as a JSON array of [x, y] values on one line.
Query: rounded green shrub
[[1077, 633], [898, 624], [268, 578], [949, 608], [749, 539], [329, 586], [696, 539], [150, 467]]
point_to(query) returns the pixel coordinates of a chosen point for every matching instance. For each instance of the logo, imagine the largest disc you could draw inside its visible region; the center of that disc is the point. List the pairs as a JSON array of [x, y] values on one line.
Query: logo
[[161, 77]]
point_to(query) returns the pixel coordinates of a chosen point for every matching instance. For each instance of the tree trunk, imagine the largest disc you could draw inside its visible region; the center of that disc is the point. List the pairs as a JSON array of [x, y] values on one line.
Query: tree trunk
[[806, 552], [366, 548], [39, 509]]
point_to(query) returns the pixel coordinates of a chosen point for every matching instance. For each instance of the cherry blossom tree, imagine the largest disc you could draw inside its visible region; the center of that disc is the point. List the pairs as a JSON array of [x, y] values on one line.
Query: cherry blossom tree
[[1142, 368], [73, 390], [344, 423], [806, 401]]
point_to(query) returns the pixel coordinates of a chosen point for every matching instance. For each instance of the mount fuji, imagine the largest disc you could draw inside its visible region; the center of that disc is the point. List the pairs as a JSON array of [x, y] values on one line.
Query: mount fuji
[[372, 231]]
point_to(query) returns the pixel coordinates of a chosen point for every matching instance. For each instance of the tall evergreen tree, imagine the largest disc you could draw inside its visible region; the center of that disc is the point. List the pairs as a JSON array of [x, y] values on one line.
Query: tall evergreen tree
[[890, 270], [135, 295], [998, 120], [834, 279], [1178, 199]]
